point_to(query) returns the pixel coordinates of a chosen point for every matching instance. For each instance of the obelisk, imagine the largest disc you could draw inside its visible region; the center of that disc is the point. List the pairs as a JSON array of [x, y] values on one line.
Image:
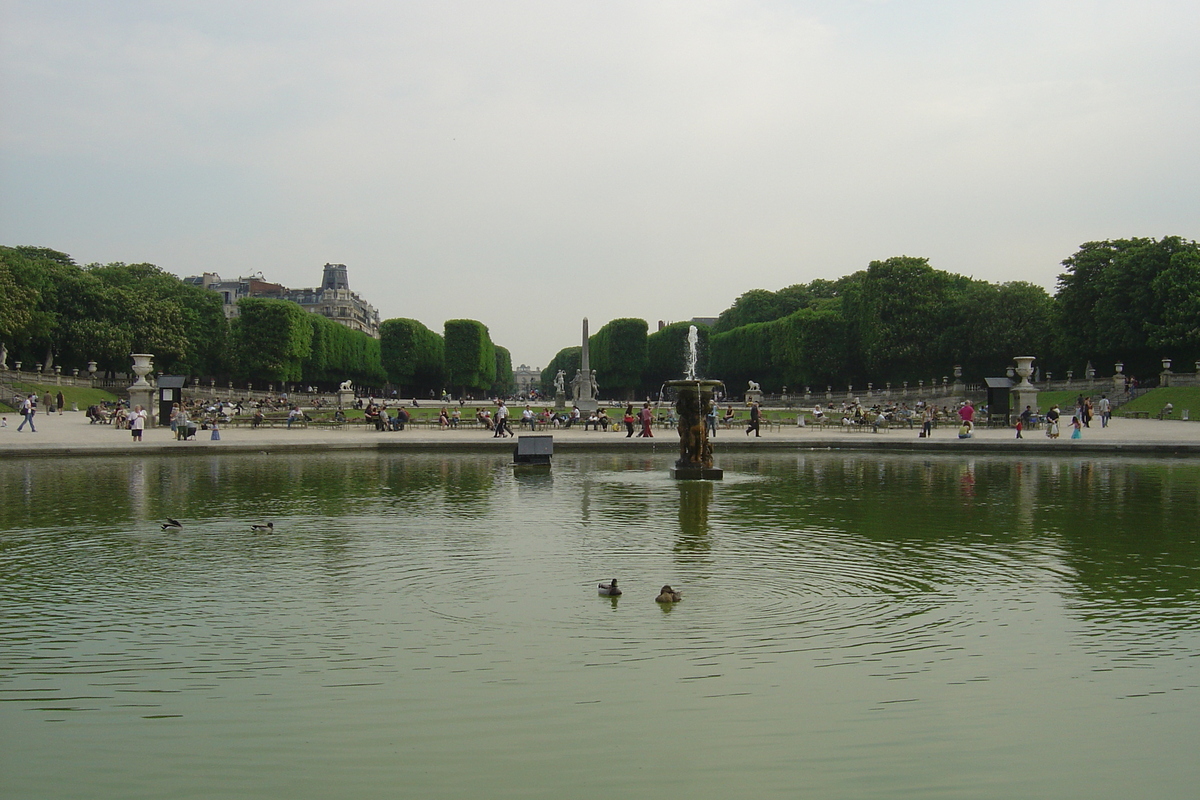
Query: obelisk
[[586, 396]]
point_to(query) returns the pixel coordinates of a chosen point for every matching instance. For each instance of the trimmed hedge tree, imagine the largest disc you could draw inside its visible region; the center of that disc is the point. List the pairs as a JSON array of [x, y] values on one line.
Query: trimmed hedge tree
[[618, 354], [271, 339], [413, 355], [470, 356]]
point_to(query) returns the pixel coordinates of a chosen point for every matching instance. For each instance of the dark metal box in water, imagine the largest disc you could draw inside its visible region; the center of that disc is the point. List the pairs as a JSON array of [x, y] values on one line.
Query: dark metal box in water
[[533, 451]]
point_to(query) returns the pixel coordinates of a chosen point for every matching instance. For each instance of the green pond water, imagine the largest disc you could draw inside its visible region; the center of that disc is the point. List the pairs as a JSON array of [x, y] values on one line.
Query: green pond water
[[427, 626]]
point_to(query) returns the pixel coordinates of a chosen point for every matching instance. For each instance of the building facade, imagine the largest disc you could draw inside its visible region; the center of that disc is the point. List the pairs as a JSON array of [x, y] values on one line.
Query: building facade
[[527, 379], [332, 299]]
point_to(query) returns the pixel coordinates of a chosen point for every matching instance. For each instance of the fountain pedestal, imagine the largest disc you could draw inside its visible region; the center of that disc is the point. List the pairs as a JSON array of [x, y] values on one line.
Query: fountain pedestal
[[694, 400]]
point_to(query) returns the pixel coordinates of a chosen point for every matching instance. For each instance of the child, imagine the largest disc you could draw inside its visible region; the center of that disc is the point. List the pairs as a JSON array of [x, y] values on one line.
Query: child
[[3, 422], [1020, 427]]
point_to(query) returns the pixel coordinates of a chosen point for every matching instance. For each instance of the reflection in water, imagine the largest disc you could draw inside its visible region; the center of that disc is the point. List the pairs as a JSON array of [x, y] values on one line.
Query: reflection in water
[[694, 500], [432, 621]]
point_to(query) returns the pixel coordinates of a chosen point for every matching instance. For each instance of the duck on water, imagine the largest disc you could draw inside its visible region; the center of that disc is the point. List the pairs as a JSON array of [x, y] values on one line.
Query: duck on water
[[609, 589]]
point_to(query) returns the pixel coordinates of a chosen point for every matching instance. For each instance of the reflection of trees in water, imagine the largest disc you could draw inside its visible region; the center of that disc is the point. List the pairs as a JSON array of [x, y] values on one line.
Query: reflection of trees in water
[[49, 493], [1120, 532]]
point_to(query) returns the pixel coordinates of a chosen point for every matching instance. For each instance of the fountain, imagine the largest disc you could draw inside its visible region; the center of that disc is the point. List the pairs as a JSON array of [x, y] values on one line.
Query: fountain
[[694, 399]]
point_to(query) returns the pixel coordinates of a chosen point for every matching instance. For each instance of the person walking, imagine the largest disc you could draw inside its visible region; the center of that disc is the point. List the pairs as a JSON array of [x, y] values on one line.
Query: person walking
[[755, 420], [28, 409], [61, 400], [647, 417], [710, 419], [629, 419], [927, 421], [502, 428], [1104, 407]]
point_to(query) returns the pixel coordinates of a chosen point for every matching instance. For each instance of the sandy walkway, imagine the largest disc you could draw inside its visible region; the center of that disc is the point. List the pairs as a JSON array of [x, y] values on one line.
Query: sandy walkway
[[70, 433]]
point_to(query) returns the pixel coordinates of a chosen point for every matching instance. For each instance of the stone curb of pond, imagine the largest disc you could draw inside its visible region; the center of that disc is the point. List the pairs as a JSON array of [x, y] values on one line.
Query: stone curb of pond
[[661, 445]]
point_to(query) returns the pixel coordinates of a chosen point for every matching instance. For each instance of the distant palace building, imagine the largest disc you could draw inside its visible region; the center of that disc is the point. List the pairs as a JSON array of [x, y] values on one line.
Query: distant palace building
[[527, 379], [333, 299]]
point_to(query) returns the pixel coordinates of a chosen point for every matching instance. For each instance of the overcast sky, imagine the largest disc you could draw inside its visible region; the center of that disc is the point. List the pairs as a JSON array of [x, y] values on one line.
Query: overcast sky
[[528, 164]]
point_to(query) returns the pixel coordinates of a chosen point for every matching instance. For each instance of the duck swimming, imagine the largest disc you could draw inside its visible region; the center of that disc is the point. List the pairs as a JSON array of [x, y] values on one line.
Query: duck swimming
[[609, 589], [172, 525], [668, 595], [269, 527]]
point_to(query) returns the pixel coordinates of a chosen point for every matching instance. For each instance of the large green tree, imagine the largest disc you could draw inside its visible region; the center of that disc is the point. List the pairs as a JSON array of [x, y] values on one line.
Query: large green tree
[[470, 356], [504, 385], [898, 312], [1130, 300], [618, 354], [412, 354], [271, 339]]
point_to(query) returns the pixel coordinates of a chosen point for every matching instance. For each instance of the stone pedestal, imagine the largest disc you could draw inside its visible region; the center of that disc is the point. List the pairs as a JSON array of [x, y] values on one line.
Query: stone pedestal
[[141, 392], [1024, 393], [144, 396], [345, 398], [560, 401], [753, 396]]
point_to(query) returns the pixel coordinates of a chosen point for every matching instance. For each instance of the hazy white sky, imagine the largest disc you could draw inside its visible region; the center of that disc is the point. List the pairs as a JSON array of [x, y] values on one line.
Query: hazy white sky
[[527, 164]]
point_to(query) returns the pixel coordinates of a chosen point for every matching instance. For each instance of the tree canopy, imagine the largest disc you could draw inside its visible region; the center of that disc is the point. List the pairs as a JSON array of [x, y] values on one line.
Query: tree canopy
[[412, 354], [470, 355]]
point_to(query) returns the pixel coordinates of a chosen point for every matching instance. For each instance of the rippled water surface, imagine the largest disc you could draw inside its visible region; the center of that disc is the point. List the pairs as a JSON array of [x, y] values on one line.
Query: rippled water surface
[[853, 626]]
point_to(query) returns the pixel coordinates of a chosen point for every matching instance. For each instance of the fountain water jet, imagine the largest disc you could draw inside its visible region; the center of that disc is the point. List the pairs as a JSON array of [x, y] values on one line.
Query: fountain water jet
[[694, 399]]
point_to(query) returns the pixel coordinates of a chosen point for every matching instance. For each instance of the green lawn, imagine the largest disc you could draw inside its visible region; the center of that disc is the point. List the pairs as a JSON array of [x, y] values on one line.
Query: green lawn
[[84, 396], [1151, 401], [1154, 400]]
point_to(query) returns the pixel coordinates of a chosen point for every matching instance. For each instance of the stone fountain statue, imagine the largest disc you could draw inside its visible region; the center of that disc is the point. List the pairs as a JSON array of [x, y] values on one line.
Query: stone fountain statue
[[694, 400]]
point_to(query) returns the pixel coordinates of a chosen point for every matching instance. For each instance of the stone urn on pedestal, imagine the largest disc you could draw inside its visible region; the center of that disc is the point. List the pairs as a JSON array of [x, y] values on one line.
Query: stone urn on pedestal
[[141, 391], [1024, 393]]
